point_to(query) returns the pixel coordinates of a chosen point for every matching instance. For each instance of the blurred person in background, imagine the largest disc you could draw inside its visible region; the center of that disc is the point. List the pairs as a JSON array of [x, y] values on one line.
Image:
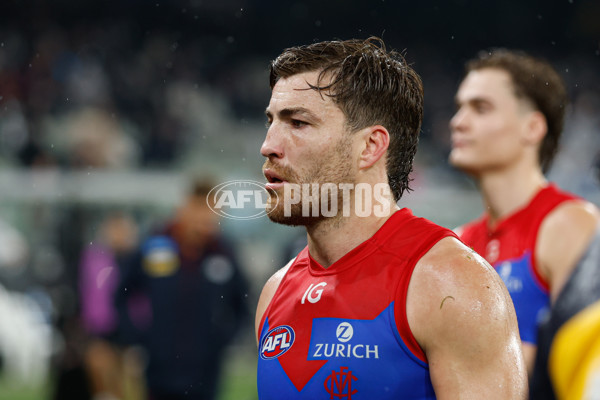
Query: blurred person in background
[[505, 134], [382, 304], [99, 272], [197, 295], [568, 357]]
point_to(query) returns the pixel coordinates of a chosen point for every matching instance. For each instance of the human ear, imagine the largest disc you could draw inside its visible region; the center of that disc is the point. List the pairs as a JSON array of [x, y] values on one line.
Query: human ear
[[537, 127], [376, 142]]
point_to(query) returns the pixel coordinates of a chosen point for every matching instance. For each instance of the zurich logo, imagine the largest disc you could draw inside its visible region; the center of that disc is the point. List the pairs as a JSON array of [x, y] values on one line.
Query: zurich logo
[[344, 332], [276, 342]]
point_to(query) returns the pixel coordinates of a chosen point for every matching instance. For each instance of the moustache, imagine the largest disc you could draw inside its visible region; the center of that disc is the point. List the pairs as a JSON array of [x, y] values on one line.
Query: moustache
[[284, 172]]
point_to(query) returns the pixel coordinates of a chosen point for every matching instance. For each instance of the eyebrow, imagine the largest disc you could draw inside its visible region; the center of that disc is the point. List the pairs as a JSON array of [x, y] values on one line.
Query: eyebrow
[[290, 112], [473, 100]]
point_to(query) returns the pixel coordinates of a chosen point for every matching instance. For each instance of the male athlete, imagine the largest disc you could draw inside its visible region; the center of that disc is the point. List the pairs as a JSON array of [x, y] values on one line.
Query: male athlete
[[380, 304], [505, 134]]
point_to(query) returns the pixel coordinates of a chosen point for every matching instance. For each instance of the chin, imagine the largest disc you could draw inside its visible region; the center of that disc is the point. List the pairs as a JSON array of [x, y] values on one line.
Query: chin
[[295, 219]]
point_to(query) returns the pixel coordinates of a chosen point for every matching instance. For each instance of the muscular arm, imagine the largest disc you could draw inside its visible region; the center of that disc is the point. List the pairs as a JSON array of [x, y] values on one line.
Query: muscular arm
[[462, 316], [267, 294], [563, 238]]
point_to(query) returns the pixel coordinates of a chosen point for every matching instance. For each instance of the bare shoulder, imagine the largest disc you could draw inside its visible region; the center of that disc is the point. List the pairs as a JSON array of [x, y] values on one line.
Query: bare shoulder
[[563, 238], [267, 294], [575, 215], [462, 316], [452, 284]]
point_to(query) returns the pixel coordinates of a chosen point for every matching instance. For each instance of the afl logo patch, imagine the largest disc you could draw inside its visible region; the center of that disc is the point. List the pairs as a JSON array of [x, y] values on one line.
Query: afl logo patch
[[276, 342]]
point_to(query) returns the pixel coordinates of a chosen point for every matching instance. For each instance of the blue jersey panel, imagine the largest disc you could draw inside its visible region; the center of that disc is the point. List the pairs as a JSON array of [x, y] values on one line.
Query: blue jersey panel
[[364, 359], [530, 300]]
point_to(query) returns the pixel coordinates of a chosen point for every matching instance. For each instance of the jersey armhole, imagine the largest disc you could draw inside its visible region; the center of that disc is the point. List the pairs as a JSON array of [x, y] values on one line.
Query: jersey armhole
[[283, 278], [539, 279], [400, 316]]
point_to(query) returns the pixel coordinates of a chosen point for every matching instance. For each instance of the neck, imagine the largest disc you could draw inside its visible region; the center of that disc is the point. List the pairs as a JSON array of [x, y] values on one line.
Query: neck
[[509, 190], [330, 239]]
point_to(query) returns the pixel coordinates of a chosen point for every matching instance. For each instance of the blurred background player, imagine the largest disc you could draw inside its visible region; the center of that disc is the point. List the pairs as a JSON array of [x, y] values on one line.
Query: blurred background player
[[197, 296], [99, 274], [505, 134]]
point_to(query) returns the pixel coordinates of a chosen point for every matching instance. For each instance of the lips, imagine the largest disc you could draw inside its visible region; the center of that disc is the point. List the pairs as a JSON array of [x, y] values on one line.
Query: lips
[[274, 180], [458, 142]]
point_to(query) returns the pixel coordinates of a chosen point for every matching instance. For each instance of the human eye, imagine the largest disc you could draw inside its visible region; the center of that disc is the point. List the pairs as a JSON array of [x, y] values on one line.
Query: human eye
[[296, 123], [269, 121], [482, 107]]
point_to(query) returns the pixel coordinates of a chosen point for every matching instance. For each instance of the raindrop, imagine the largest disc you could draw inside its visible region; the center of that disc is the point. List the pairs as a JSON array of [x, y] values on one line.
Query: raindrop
[[318, 22], [230, 39], [452, 37], [553, 43], [539, 16], [2, 44]]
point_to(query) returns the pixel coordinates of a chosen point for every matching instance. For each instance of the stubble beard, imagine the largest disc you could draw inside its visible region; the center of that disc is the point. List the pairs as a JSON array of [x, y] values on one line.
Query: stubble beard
[[335, 169]]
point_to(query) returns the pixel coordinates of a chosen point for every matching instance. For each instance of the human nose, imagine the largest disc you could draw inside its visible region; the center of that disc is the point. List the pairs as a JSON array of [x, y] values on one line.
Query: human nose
[[458, 121], [272, 146]]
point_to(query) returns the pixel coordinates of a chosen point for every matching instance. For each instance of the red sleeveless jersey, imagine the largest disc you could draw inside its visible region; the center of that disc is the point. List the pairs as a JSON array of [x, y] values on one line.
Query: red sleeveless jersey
[[342, 332], [510, 249]]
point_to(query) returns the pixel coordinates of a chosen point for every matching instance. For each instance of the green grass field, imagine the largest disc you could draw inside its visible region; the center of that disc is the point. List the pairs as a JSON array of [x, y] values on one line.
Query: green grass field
[[238, 381]]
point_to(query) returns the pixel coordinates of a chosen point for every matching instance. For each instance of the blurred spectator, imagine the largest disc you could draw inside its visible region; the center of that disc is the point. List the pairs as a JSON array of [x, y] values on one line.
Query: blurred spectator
[[98, 280], [198, 299], [25, 339]]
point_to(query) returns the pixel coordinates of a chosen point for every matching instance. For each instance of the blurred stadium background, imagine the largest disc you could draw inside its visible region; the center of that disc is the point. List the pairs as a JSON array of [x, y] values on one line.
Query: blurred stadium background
[[114, 105]]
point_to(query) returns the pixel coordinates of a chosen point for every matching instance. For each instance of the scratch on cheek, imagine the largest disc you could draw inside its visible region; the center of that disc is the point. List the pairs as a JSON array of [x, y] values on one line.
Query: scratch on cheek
[[445, 298]]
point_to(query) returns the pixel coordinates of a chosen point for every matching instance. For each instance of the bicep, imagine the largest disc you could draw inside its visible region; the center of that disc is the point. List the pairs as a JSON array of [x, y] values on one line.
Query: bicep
[[477, 356], [463, 318]]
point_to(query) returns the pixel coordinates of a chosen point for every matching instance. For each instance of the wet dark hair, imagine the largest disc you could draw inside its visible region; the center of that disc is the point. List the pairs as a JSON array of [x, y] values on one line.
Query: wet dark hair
[[371, 86], [536, 81]]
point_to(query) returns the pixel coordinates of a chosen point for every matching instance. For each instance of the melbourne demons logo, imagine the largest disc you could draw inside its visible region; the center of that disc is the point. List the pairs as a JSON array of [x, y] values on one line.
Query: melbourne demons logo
[[339, 384], [276, 342]]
